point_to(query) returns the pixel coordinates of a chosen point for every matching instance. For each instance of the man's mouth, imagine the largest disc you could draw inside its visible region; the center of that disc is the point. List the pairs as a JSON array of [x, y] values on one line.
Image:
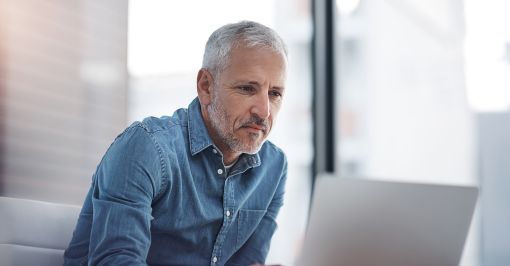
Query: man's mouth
[[255, 127]]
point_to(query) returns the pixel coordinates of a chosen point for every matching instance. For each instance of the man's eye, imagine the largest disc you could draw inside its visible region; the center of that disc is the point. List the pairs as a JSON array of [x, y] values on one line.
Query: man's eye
[[275, 94], [246, 88]]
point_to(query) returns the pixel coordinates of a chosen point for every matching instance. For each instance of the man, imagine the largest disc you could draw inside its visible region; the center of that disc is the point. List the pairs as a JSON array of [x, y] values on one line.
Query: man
[[201, 187]]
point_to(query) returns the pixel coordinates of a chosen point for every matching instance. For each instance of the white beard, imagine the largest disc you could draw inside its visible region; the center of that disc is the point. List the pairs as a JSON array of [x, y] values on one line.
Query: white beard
[[222, 123]]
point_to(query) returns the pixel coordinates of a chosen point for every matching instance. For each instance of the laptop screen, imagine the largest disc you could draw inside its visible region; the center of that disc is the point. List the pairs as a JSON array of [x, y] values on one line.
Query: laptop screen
[[369, 222]]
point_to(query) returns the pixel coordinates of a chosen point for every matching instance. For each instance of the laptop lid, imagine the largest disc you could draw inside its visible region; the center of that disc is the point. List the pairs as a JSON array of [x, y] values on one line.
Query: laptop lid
[[361, 222]]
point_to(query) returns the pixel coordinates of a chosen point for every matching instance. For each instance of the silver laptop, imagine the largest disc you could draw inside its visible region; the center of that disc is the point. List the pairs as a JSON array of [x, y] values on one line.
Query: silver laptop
[[361, 222]]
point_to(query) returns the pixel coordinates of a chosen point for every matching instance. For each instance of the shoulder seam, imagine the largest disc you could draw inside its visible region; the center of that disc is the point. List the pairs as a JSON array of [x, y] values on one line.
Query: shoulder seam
[[170, 125], [164, 168]]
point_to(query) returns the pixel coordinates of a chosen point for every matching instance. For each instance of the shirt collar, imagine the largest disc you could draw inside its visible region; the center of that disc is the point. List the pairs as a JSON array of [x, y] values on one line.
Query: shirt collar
[[199, 138]]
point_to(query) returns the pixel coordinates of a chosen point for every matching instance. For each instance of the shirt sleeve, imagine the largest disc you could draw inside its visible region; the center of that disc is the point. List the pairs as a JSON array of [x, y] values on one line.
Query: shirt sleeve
[[124, 186], [256, 248]]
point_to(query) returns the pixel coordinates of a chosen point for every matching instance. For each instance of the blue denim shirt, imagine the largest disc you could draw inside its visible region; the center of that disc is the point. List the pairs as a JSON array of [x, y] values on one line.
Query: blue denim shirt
[[161, 195]]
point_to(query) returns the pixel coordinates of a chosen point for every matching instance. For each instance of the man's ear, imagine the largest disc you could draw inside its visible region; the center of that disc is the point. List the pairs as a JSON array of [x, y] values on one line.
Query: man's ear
[[204, 86]]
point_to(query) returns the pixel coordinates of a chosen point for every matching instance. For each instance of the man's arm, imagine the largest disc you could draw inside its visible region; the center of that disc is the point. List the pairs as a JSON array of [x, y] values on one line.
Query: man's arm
[[126, 181], [256, 248]]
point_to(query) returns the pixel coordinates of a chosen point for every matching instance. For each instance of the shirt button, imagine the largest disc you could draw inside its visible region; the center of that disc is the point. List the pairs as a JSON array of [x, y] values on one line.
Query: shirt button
[[228, 213], [214, 151], [220, 171], [215, 259]]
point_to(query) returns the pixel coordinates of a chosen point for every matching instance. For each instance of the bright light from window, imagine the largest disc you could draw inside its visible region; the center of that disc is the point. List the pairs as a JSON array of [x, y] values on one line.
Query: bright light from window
[[488, 55], [347, 6], [161, 41]]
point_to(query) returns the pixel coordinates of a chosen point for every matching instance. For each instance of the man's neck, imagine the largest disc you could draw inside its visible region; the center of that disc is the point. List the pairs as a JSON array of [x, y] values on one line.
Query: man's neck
[[229, 157]]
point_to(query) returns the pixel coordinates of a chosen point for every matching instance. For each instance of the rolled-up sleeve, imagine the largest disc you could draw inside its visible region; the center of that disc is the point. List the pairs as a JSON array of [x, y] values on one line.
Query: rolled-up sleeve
[[127, 180]]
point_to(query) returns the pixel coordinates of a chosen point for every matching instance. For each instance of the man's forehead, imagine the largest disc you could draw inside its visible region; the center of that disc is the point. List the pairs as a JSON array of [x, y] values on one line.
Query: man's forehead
[[248, 55], [256, 50]]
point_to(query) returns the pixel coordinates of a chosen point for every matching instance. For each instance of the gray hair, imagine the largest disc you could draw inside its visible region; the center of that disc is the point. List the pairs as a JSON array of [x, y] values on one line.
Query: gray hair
[[242, 34]]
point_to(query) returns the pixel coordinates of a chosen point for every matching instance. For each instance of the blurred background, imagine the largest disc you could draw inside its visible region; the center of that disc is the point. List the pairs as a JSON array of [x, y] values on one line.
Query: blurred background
[[422, 95]]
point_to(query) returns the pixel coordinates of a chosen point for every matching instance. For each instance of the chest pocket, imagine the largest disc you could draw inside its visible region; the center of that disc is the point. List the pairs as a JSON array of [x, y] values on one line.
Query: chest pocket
[[247, 222]]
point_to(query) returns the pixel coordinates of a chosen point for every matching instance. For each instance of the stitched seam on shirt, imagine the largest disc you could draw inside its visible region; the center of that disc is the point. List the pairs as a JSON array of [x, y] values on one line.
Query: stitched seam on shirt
[[170, 127], [164, 172]]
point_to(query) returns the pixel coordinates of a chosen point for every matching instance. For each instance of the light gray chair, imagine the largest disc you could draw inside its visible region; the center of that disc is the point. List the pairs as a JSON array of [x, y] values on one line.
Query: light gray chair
[[34, 232]]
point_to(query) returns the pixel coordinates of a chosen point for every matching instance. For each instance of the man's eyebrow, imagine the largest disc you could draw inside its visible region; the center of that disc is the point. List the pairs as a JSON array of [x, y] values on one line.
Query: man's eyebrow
[[244, 81], [256, 83]]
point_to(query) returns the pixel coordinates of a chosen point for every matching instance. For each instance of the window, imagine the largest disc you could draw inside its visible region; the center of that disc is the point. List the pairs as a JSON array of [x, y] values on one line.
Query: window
[[411, 79]]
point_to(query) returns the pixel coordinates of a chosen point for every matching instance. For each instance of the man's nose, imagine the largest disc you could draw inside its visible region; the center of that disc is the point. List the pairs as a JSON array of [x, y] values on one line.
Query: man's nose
[[262, 106]]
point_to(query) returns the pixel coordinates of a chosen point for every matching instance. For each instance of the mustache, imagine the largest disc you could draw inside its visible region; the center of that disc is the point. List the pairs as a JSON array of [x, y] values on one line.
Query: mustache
[[255, 120]]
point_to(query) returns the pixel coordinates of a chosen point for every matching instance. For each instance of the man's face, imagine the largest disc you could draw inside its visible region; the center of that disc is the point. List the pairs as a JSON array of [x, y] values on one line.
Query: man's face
[[245, 99]]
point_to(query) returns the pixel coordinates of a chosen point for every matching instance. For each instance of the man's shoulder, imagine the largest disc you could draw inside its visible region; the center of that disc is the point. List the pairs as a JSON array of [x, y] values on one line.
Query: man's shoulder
[[166, 134], [154, 124]]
